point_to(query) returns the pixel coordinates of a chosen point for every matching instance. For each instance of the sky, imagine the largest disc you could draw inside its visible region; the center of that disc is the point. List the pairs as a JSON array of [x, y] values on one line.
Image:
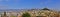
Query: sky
[[29, 4]]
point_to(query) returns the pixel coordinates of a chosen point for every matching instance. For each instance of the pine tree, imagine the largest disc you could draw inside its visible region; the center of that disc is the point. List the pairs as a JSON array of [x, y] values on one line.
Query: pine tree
[[26, 15]]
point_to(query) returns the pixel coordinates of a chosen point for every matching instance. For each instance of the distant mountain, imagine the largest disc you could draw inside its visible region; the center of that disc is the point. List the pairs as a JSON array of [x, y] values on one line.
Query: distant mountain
[[10, 10], [15, 10]]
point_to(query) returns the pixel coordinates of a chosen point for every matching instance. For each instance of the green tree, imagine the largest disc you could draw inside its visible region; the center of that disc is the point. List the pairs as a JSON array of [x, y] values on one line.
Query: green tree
[[26, 15], [12, 16]]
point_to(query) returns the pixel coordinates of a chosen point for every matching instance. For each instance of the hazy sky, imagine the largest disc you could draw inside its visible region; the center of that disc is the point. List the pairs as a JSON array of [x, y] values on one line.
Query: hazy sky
[[23, 4]]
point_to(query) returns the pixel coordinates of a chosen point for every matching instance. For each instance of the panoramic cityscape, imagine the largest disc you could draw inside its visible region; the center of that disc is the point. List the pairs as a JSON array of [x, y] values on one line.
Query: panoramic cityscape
[[29, 8], [45, 12]]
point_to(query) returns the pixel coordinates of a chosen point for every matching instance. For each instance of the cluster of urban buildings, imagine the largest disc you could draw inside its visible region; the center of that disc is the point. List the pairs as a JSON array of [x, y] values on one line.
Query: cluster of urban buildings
[[45, 12]]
